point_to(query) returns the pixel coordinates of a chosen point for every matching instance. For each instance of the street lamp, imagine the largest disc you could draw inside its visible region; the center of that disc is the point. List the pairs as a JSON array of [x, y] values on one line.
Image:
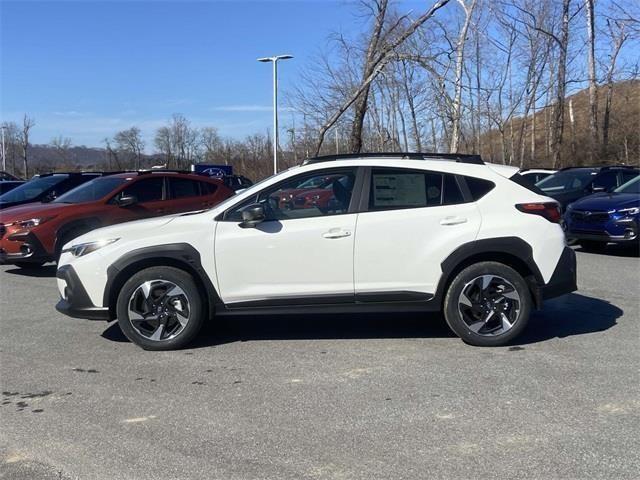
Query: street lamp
[[4, 152], [274, 60]]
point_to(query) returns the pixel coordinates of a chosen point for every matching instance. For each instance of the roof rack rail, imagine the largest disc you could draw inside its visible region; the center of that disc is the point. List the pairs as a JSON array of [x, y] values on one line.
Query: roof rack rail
[[604, 167], [454, 157]]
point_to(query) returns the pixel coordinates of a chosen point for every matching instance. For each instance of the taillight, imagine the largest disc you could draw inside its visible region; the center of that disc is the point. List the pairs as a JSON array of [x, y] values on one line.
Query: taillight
[[548, 210]]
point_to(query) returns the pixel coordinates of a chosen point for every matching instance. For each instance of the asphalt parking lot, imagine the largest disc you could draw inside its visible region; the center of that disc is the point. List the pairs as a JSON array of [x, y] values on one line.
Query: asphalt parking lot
[[326, 398]]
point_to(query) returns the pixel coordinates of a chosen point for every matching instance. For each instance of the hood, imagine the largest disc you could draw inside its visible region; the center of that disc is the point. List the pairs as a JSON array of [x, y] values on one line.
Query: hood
[[607, 201], [31, 210], [127, 229]]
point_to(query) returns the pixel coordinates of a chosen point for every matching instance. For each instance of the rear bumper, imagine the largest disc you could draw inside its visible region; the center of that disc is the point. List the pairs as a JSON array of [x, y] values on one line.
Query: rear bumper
[[75, 301], [564, 278]]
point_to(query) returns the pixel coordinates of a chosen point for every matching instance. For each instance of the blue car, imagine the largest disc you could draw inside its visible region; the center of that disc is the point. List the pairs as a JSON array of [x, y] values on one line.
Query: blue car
[[602, 218]]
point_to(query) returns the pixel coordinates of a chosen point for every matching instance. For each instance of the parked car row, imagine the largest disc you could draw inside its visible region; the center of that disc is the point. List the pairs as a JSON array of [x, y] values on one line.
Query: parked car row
[[8, 182], [384, 232], [601, 205], [48, 211]]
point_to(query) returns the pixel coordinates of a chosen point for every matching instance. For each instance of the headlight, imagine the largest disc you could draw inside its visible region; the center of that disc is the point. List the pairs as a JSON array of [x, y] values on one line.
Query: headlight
[[84, 248], [32, 222], [630, 211]]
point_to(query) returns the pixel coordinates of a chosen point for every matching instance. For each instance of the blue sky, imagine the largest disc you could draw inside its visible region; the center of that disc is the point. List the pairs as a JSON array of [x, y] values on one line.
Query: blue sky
[[85, 69]]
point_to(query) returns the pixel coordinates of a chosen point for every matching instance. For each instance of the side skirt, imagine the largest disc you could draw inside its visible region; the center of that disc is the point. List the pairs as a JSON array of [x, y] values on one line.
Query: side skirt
[[391, 302]]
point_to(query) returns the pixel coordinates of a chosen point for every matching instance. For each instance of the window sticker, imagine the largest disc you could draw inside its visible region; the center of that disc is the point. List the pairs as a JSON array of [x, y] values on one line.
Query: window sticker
[[407, 189]]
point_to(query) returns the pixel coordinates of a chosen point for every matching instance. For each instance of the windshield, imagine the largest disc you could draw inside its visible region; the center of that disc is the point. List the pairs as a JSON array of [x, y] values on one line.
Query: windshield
[[632, 186], [576, 179], [32, 189], [91, 191]]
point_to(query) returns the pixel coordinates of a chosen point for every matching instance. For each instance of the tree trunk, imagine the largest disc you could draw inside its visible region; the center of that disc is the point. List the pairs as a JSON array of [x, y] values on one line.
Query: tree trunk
[[457, 98], [593, 87], [557, 129]]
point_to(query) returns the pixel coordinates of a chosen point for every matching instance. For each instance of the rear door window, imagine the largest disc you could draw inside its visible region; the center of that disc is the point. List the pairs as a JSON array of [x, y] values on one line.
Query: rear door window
[[145, 190], [183, 188], [393, 189]]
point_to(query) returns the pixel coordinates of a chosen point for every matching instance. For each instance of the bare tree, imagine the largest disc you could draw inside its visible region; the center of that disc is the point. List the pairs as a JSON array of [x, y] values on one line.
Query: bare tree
[[62, 146], [130, 142], [381, 56], [27, 124], [593, 85], [618, 35], [457, 97], [211, 143]]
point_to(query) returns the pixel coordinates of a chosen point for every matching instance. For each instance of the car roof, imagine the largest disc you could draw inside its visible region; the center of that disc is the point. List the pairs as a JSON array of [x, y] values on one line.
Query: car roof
[[166, 173], [451, 157]]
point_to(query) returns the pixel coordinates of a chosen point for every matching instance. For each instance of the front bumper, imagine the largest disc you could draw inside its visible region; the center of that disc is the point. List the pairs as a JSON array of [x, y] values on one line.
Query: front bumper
[[613, 230], [23, 247], [564, 279], [75, 301]]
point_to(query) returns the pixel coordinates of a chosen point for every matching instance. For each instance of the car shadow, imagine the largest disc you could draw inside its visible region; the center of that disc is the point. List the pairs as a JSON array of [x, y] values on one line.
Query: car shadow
[[573, 314], [46, 271], [612, 250]]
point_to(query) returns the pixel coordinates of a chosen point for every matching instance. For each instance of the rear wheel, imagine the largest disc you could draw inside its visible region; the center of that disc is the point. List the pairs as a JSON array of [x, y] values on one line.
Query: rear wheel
[[487, 304], [160, 308]]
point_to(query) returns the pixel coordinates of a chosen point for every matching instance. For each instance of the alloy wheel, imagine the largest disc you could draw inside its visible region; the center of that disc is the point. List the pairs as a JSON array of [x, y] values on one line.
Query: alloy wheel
[[159, 310], [489, 305]]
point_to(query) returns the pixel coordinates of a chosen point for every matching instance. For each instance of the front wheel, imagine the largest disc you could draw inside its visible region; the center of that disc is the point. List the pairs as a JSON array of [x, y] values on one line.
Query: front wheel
[[487, 304], [160, 308]]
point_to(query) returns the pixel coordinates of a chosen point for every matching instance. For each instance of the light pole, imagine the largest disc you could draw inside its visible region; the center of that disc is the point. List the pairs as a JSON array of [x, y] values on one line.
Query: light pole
[[274, 60], [4, 153]]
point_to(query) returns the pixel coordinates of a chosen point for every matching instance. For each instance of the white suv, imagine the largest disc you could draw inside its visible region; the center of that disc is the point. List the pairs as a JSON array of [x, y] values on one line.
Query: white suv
[[383, 232]]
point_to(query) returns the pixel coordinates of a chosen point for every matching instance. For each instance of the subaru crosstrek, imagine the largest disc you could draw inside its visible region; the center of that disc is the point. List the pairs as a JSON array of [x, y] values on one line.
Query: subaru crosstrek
[[33, 234], [408, 232], [603, 218]]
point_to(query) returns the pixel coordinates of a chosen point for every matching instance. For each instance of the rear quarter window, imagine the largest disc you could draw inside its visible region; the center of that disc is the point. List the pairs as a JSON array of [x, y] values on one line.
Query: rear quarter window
[[479, 187], [523, 182]]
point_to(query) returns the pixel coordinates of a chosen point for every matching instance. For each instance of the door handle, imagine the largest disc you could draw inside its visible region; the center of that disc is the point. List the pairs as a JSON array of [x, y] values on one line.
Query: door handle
[[336, 233], [453, 220]]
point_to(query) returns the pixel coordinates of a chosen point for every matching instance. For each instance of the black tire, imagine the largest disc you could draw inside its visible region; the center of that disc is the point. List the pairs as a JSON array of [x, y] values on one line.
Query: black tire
[[592, 245], [195, 304], [28, 265], [453, 306]]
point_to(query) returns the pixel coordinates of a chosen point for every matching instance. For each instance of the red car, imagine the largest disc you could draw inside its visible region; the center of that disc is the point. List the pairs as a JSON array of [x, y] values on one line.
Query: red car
[[286, 197], [322, 197], [33, 234]]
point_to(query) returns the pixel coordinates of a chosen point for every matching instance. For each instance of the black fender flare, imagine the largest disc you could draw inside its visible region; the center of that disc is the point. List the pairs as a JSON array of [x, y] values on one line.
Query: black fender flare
[[516, 250], [180, 255]]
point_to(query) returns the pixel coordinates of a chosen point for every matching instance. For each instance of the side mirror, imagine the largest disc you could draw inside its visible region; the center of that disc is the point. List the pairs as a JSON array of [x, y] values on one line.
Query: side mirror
[[252, 215], [127, 201]]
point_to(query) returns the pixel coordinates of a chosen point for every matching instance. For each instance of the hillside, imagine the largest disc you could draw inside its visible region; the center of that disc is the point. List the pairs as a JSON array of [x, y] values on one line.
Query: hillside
[[624, 131]]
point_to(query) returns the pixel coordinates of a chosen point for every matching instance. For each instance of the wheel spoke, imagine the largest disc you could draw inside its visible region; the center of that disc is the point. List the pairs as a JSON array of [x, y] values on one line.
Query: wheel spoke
[[465, 300], [506, 324], [476, 326], [157, 333]]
